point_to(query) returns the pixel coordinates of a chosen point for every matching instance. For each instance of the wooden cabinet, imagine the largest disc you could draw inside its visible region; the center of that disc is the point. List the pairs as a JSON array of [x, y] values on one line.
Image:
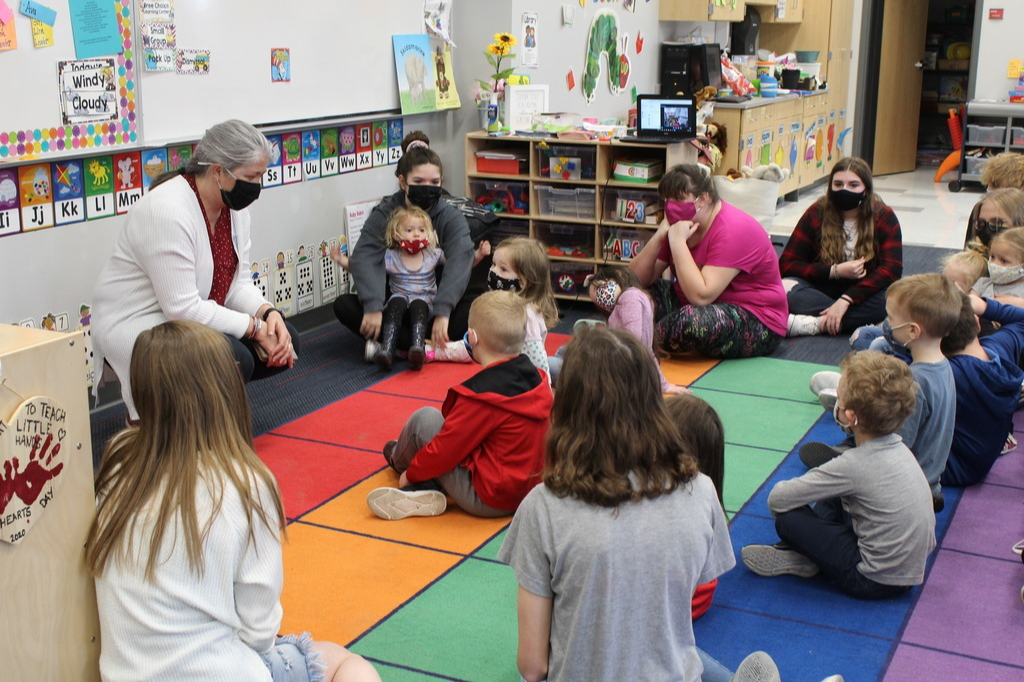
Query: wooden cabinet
[[763, 134], [788, 12], [701, 10], [566, 195]]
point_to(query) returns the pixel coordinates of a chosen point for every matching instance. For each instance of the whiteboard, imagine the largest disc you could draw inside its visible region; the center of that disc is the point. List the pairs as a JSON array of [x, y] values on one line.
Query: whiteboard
[[342, 63]]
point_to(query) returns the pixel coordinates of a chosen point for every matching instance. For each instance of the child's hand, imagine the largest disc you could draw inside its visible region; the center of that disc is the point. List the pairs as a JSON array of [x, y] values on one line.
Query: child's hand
[[338, 257], [978, 304], [482, 251], [673, 389]]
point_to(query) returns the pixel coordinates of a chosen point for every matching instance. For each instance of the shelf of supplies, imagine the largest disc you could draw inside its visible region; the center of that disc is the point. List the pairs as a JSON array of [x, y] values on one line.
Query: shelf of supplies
[[498, 176], [562, 181]]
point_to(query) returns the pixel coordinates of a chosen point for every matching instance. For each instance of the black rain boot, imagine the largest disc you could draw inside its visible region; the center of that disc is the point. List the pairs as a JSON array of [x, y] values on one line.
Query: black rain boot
[[419, 315], [394, 312]]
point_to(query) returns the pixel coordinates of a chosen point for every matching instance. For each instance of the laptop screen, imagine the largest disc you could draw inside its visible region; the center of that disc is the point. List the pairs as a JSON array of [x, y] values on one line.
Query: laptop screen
[[672, 118]]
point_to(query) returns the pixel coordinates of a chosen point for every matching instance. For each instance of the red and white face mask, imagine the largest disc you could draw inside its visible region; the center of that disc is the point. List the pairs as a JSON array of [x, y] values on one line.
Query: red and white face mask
[[413, 246]]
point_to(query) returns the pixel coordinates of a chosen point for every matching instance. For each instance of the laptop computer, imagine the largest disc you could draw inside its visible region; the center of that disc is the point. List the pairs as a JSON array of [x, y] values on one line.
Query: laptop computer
[[664, 119]]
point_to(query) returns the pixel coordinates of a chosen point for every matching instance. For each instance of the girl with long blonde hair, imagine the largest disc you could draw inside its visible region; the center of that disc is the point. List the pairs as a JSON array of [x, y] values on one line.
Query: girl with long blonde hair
[[843, 254], [186, 543]]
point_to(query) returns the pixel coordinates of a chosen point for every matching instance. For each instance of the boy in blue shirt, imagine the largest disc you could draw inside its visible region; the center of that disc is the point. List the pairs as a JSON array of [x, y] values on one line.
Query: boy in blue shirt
[[921, 310], [988, 386]]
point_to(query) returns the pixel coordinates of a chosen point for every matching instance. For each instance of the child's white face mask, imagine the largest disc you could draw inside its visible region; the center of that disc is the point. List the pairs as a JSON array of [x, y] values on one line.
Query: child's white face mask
[[1005, 274]]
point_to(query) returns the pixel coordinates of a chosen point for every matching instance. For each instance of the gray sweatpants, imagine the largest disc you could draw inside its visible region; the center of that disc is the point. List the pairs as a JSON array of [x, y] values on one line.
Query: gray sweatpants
[[423, 425]]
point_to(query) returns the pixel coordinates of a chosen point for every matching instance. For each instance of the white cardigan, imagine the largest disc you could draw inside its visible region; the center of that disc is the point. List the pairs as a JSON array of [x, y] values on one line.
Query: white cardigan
[[162, 269], [182, 626]]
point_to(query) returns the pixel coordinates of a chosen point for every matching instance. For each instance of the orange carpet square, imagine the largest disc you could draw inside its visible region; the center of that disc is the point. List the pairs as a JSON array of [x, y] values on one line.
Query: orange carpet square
[[338, 585], [309, 473], [686, 369], [453, 531], [365, 420]]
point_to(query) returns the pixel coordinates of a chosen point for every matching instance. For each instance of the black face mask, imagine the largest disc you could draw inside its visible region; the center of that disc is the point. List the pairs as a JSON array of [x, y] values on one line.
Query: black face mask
[[496, 282], [424, 196], [845, 200], [241, 195], [985, 230]]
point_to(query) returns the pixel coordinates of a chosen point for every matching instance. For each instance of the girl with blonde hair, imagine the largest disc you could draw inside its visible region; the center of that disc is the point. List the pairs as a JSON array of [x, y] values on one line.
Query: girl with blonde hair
[[186, 543]]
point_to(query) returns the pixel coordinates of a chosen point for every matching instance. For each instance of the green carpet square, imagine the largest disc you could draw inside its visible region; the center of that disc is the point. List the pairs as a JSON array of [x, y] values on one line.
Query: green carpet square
[[764, 377], [746, 469], [463, 626], [490, 550], [390, 673], [762, 422]]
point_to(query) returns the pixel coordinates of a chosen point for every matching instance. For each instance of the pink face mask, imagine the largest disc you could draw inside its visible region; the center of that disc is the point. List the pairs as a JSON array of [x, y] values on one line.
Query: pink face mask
[[680, 210]]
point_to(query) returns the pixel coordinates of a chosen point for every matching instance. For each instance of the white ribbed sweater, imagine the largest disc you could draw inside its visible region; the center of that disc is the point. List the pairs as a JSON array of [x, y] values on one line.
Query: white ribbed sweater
[[162, 269], [184, 627]]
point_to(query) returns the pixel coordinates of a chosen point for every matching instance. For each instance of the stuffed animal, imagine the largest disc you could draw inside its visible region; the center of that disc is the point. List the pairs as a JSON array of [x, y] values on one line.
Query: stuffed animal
[[711, 147], [706, 93], [772, 172]]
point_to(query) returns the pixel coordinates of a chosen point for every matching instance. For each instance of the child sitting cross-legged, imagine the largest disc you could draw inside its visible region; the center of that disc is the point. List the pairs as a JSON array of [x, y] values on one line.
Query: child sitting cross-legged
[[921, 310], [872, 526], [485, 446]]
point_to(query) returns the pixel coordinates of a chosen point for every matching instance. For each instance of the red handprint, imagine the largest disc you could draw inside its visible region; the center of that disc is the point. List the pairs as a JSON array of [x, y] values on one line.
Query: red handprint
[[8, 483], [29, 484]]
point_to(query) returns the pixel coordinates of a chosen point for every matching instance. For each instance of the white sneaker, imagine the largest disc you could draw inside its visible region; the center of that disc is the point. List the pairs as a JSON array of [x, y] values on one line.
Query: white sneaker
[[394, 504], [453, 351], [828, 398], [804, 325], [757, 667], [822, 380], [371, 350]]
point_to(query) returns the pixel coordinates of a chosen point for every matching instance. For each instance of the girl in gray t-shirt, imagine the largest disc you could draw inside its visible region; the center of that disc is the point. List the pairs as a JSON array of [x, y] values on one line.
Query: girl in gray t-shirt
[[609, 549]]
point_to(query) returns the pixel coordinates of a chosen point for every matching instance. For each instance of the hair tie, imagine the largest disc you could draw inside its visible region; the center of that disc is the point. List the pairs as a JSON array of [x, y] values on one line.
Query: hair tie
[[416, 143]]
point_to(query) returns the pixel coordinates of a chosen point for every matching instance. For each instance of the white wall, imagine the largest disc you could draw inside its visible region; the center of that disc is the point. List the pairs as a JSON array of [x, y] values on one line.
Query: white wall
[[999, 42]]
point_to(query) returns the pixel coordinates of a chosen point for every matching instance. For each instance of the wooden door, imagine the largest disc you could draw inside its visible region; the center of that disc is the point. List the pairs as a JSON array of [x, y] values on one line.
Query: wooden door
[[899, 86]]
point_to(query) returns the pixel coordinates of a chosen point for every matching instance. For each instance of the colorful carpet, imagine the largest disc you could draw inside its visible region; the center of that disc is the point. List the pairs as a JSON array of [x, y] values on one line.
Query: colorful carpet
[[425, 599]]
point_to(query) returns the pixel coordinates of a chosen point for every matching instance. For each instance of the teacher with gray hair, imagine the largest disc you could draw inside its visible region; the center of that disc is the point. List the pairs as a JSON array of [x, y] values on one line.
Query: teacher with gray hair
[[183, 254]]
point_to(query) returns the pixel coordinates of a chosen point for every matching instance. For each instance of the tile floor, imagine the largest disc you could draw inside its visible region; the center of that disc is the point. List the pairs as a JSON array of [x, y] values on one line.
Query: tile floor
[[929, 213]]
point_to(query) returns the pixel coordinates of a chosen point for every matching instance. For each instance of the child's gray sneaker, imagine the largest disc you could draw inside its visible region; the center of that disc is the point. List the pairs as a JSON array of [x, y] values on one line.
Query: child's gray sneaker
[[757, 667], [394, 504], [771, 561]]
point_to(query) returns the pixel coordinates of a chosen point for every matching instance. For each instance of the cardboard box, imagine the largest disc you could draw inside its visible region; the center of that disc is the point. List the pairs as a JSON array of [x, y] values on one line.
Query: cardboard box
[[641, 171]]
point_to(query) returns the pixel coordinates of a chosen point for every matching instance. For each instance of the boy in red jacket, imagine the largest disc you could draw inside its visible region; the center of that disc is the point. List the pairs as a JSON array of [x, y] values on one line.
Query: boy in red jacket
[[485, 447]]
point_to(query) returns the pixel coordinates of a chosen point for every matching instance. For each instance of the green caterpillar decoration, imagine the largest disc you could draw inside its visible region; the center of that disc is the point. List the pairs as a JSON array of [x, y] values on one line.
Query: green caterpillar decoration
[[604, 38]]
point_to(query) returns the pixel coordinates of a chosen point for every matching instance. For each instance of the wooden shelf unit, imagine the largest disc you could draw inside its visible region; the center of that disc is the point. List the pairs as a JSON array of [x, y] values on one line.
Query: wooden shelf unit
[[596, 224]]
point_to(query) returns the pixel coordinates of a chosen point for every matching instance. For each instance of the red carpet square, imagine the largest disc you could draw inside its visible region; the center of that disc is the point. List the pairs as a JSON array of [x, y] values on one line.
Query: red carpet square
[[365, 420], [309, 473], [430, 383]]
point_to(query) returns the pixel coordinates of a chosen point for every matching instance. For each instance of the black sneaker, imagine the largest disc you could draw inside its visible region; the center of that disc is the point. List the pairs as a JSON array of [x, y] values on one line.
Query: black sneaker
[[389, 453], [938, 501], [815, 454]]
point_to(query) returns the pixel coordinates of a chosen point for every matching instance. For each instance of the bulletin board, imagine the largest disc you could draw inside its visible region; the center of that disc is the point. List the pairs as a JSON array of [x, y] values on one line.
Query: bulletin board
[[30, 118], [341, 63]]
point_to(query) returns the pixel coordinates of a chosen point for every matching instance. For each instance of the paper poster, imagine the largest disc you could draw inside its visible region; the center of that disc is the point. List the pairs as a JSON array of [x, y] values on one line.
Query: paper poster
[[42, 34], [8, 36], [68, 192], [178, 157], [38, 12], [280, 65], [355, 217], [304, 279], [128, 176], [414, 65], [272, 177], [347, 149], [99, 187], [87, 91], [446, 96], [379, 142], [291, 146], [437, 16], [328, 273], [159, 11], [94, 24], [36, 196], [328, 152], [394, 140], [154, 164], [158, 36], [10, 213], [529, 54], [194, 62], [311, 154], [364, 146], [157, 59], [284, 283]]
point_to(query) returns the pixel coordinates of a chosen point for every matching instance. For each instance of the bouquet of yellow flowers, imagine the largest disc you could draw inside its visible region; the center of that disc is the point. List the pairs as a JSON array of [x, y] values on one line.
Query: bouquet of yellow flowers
[[496, 52]]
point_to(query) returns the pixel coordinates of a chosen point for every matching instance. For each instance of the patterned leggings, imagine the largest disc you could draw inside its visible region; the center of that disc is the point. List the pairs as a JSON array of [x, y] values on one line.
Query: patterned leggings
[[718, 330]]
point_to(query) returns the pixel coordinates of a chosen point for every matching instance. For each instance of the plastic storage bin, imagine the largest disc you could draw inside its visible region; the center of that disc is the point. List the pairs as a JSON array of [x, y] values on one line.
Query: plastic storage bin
[[986, 134], [622, 244], [567, 278], [505, 229], [632, 206], [973, 165], [1017, 136], [568, 162], [566, 241], [566, 203], [502, 197], [504, 161]]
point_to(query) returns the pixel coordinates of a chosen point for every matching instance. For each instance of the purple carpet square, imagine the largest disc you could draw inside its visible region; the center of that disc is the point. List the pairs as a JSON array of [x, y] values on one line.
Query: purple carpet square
[[1008, 470], [914, 663], [973, 529], [971, 606]]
